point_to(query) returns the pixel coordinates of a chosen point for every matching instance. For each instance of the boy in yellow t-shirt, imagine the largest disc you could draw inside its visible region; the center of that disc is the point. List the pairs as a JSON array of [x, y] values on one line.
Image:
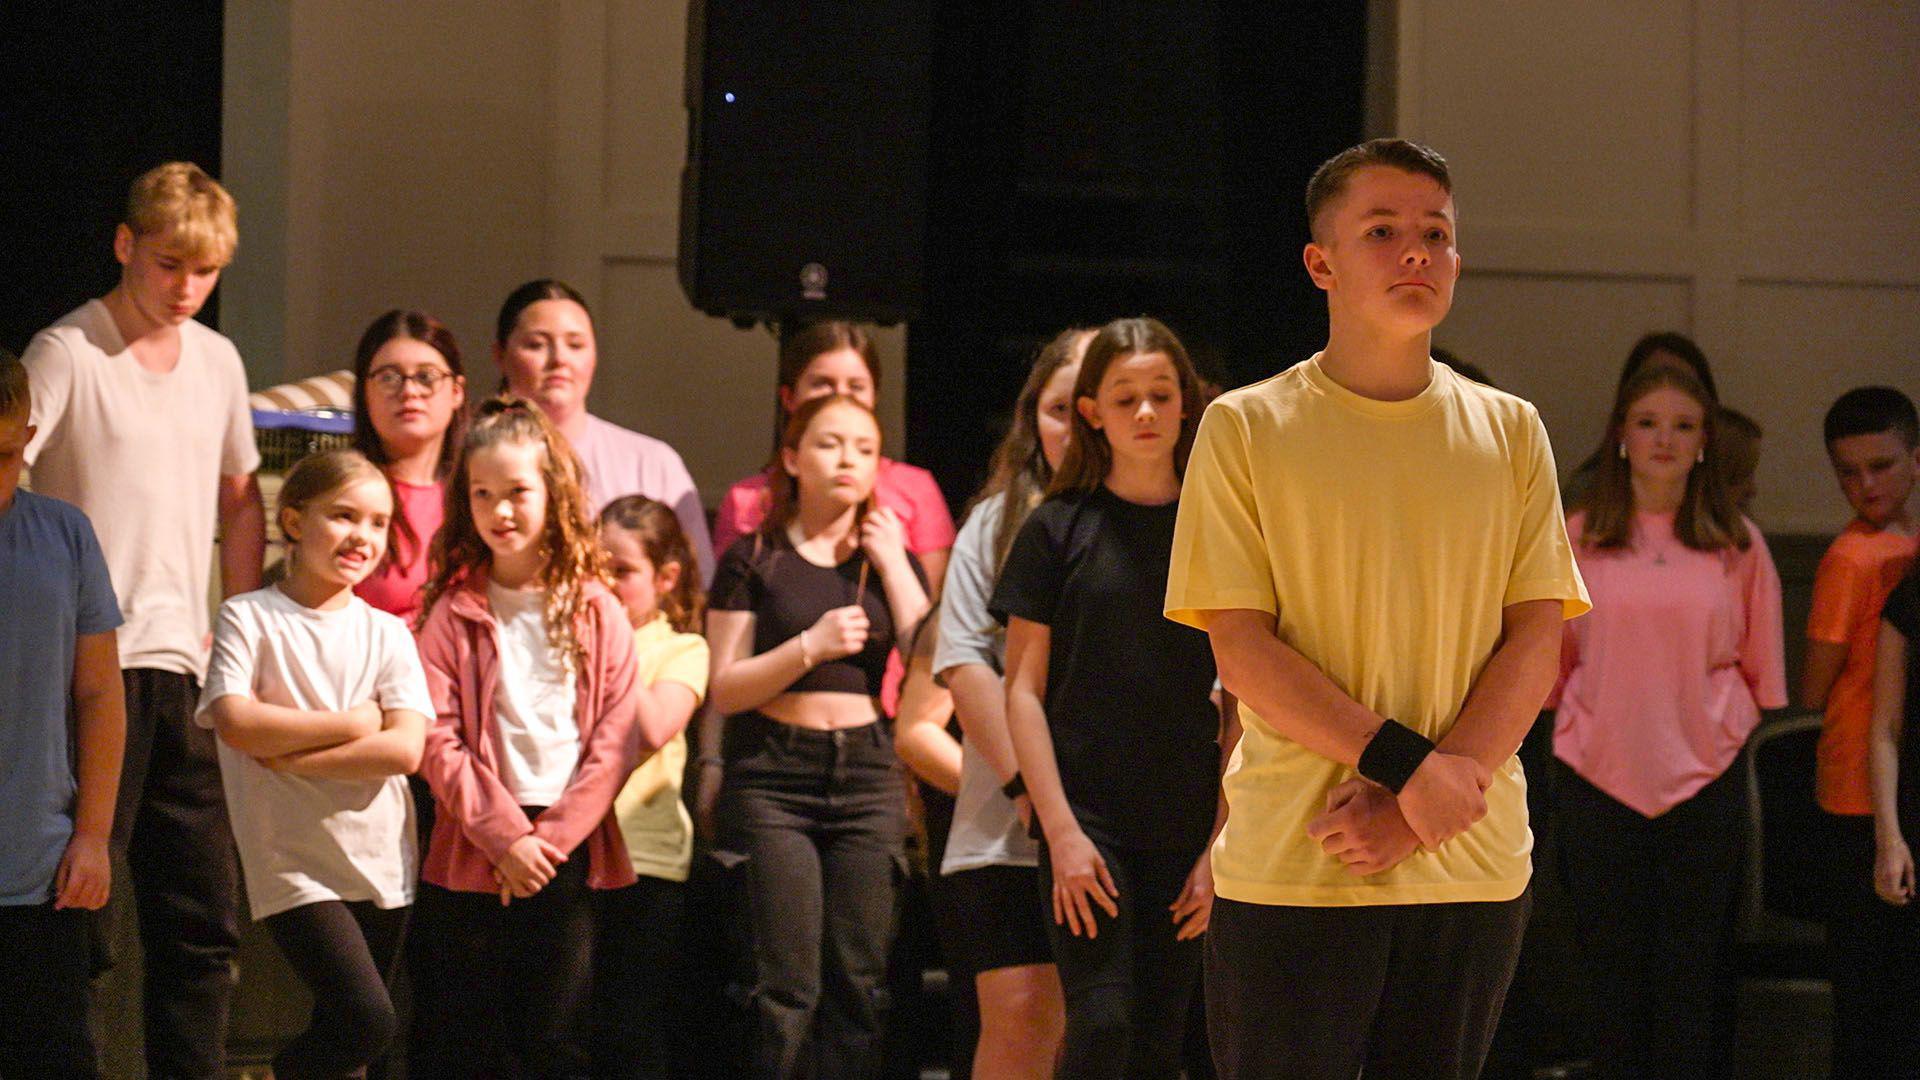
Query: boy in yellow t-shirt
[[1871, 434], [1375, 547]]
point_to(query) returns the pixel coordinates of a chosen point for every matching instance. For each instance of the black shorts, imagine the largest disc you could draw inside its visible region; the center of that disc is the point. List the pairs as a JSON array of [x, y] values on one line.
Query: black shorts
[[1005, 926]]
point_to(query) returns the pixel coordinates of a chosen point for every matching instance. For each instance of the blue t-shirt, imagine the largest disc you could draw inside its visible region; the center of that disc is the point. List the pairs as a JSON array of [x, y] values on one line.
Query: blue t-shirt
[[53, 588]]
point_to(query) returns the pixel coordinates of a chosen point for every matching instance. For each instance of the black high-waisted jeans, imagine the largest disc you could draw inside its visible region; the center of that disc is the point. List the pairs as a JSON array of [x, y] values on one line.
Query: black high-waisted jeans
[[820, 817]]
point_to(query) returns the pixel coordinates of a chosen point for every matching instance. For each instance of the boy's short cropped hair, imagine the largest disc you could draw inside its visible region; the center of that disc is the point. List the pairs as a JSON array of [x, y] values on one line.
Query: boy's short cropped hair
[[179, 198], [1330, 179], [16, 399], [1870, 410]]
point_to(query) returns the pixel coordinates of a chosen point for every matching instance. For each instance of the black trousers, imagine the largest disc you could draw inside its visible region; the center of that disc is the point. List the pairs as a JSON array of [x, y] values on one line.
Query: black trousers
[[346, 952], [637, 972], [43, 1007], [1403, 991], [1653, 903], [505, 991], [171, 823], [1127, 990], [820, 818], [1874, 950]]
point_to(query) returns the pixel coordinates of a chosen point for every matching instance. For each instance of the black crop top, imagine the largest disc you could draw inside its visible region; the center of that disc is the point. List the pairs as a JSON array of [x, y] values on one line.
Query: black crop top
[[787, 594]]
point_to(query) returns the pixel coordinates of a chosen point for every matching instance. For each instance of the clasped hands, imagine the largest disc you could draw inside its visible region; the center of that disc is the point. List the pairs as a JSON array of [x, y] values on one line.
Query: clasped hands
[[1369, 829]]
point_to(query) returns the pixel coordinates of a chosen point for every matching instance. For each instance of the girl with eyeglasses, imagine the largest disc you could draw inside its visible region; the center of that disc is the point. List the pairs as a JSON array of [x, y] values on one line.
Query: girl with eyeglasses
[[409, 415]]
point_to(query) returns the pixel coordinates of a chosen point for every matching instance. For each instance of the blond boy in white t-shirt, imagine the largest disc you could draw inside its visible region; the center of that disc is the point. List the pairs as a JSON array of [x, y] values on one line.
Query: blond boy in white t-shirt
[[143, 423], [1375, 548]]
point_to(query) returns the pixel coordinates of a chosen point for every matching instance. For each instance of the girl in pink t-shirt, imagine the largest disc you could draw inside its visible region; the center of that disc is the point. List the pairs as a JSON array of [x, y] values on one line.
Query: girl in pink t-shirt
[[409, 415], [839, 358], [1661, 685]]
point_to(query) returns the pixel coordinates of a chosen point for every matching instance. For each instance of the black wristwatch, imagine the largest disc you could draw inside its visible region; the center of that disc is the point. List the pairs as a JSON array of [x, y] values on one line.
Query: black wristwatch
[[1015, 787]]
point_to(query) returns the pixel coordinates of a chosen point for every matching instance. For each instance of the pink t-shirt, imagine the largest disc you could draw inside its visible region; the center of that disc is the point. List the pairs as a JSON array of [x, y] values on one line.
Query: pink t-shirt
[[907, 490], [620, 462], [1662, 683], [395, 586]]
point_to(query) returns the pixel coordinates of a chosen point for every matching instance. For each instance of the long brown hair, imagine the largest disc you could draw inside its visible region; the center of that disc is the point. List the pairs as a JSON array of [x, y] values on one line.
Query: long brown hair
[[799, 346], [1089, 456], [424, 328], [783, 487], [1706, 520], [657, 527], [1019, 467], [570, 548]]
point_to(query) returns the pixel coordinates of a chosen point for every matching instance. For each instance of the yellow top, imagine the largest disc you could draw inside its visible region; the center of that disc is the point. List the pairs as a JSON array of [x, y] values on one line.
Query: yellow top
[[655, 823], [1386, 537]]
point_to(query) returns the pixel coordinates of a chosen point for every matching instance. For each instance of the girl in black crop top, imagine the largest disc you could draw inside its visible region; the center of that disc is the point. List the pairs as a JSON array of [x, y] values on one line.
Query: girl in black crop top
[[803, 615]]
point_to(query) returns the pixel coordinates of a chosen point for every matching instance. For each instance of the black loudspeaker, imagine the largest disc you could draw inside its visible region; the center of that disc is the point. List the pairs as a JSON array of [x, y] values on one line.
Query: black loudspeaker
[[804, 191]]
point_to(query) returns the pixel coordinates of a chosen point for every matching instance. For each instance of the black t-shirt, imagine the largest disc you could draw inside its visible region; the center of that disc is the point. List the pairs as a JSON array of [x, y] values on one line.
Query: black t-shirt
[[1903, 612], [1128, 691], [762, 573]]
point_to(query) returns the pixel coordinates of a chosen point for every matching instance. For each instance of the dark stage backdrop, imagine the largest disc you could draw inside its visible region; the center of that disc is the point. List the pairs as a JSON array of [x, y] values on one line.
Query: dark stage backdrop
[[1094, 160], [92, 95]]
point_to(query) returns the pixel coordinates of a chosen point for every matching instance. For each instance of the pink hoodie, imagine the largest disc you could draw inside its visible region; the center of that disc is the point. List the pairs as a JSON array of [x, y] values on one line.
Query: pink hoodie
[[479, 818]]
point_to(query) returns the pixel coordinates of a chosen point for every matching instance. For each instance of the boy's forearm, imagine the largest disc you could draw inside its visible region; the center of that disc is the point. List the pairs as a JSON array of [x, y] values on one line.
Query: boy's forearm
[[1824, 662], [100, 735], [1505, 700], [1286, 690], [243, 535]]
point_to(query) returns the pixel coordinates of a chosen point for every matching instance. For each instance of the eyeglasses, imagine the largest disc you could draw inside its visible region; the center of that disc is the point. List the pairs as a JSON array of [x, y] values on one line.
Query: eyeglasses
[[394, 381]]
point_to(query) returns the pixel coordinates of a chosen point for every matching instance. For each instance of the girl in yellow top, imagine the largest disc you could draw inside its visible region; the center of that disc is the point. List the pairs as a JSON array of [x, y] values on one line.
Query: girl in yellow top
[[657, 580]]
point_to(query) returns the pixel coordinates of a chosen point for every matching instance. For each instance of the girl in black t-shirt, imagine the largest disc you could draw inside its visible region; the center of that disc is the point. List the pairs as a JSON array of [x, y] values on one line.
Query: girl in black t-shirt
[[1110, 709], [804, 613]]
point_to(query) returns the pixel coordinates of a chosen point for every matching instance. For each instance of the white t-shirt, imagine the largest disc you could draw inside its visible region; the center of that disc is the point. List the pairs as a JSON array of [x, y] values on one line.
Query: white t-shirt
[[141, 454], [302, 838], [533, 700]]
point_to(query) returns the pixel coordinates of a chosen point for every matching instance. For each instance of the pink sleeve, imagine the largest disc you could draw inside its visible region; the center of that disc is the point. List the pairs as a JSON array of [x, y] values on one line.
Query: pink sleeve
[[486, 811], [1762, 652], [730, 521], [932, 526], [615, 745]]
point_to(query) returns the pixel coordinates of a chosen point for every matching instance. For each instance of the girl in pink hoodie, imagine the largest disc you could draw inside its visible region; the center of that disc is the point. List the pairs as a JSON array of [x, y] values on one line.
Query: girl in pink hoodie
[[531, 666]]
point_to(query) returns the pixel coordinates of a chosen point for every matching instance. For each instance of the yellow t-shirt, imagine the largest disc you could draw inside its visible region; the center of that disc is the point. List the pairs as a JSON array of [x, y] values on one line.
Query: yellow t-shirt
[[1385, 537], [655, 823]]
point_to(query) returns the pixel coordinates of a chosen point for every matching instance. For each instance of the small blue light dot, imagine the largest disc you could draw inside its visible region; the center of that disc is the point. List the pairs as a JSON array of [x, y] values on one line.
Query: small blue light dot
[[729, 98]]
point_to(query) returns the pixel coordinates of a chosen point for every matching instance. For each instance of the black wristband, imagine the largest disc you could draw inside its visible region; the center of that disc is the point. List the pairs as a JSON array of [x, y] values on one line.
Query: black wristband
[[1392, 755], [1015, 787]]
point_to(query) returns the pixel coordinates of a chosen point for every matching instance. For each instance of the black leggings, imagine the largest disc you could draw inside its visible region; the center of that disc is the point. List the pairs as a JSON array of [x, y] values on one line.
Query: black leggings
[[345, 951], [1128, 989], [505, 991]]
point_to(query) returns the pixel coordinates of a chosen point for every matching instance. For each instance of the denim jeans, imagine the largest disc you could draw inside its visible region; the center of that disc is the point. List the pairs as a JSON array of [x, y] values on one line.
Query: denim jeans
[[820, 817]]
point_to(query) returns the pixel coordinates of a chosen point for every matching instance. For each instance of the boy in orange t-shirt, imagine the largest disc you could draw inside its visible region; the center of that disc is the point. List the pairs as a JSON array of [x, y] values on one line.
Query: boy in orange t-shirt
[[1871, 434]]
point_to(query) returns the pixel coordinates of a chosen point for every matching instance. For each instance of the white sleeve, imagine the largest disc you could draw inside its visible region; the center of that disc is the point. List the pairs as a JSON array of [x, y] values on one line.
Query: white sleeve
[[403, 682], [230, 671], [50, 383]]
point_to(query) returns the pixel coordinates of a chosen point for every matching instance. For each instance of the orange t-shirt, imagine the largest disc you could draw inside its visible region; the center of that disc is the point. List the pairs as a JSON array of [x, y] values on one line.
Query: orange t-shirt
[[1856, 574]]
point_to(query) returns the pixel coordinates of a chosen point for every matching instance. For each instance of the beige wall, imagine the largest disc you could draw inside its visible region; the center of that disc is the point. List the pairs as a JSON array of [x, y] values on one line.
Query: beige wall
[[1737, 171], [435, 154]]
